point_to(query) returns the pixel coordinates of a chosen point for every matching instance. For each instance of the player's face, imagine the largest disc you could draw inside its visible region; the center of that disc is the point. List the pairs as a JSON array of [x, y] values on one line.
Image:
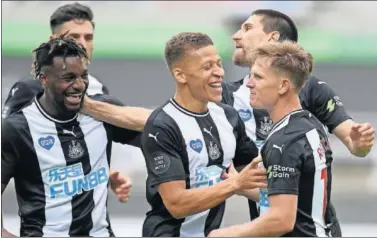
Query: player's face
[[248, 38], [66, 86], [81, 31], [264, 85], [204, 74]]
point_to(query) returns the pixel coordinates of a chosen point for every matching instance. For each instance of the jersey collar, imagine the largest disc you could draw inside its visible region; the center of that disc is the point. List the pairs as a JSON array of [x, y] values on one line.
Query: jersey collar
[[45, 114]]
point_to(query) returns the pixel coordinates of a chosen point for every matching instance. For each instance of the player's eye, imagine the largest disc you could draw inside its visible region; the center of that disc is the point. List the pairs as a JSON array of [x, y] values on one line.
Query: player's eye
[[84, 76]]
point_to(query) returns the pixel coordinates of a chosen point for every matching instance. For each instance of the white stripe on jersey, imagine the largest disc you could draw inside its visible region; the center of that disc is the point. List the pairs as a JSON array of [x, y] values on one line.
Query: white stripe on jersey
[[319, 183], [242, 102], [58, 210], [93, 131], [194, 225], [227, 139]]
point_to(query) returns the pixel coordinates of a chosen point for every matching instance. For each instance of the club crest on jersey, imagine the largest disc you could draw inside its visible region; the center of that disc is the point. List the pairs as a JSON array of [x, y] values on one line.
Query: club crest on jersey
[[196, 145], [75, 150], [266, 125], [46, 142], [213, 150], [244, 114]]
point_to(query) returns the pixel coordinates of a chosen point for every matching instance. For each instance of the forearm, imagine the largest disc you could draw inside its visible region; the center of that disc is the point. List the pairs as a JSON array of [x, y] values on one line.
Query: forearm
[[133, 118], [266, 225], [252, 194], [197, 200]]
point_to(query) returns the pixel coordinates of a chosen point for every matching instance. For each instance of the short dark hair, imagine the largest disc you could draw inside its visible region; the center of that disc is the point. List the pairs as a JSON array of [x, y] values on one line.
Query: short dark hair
[[277, 21], [56, 47], [69, 12], [181, 44]]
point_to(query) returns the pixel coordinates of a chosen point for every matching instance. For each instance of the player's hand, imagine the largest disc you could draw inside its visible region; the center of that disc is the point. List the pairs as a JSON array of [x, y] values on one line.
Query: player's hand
[[86, 104], [5, 233], [121, 185], [251, 176], [362, 136], [230, 173]]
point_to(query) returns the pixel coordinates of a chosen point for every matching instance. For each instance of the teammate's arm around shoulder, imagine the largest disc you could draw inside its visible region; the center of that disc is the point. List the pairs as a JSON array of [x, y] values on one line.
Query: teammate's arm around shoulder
[[8, 162], [132, 118], [164, 153]]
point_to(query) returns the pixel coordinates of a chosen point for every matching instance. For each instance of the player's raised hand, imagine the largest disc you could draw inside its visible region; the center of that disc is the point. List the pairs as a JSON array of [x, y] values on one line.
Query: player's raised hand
[[251, 176], [362, 136], [121, 185]]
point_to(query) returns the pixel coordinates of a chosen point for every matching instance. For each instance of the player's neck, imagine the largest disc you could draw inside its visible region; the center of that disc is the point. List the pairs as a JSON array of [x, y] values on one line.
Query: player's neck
[[284, 107], [54, 110], [191, 104]]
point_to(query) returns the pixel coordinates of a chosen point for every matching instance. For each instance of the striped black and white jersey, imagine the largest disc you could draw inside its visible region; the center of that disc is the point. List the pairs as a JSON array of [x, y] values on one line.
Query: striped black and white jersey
[[24, 90], [298, 158], [196, 147], [60, 170]]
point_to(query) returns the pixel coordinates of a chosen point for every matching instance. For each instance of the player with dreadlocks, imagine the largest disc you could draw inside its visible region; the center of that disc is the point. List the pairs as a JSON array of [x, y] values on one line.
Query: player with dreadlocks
[[58, 157]]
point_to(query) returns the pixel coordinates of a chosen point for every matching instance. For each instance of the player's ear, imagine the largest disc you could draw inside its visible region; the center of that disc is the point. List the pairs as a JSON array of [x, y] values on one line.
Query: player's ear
[[51, 37], [284, 86], [274, 36], [179, 75], [43, 79]]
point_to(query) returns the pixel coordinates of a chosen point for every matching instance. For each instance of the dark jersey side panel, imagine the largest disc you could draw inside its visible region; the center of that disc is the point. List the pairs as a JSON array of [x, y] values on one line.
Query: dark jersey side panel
[[318, 98]]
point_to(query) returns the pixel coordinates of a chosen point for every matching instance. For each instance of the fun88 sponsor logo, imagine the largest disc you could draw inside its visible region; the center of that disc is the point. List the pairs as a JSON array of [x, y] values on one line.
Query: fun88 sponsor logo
[[70, 181], [207, 176]]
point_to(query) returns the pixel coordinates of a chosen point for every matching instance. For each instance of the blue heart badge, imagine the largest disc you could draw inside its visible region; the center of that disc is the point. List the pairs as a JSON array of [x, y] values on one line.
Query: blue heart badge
[[46, 142], [244, 114], [196, 145]]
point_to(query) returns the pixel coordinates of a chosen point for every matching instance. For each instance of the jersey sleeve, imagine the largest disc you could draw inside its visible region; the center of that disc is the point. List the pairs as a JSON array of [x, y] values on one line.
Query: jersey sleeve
[[283, 165], [21, 93], [9, 156], [322, 101], [119, 135], [246, 150], [162, 152]]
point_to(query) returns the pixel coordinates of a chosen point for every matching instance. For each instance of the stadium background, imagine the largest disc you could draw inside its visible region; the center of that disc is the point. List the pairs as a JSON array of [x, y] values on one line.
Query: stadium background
[[128, 58]]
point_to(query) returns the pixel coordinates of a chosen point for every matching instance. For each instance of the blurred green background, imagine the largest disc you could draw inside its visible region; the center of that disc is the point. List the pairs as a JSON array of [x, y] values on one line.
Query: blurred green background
[[139, 31]]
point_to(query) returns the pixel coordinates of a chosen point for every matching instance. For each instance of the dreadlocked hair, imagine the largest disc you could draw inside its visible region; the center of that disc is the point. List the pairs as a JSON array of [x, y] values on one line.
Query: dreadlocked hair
[[61, 46]]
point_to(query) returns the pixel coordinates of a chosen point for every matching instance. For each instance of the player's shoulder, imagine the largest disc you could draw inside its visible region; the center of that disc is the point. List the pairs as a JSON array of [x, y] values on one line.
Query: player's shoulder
[[312, 83], [160, 118], [27, 84], [220, 106], [106, 98], [295, 126], [13, 123]]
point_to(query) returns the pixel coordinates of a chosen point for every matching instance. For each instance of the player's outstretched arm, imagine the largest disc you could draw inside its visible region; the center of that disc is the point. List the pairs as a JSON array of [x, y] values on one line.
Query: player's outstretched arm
[[184, 202], [132, 118], [323, 102], [358, 138], [279, 220]]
